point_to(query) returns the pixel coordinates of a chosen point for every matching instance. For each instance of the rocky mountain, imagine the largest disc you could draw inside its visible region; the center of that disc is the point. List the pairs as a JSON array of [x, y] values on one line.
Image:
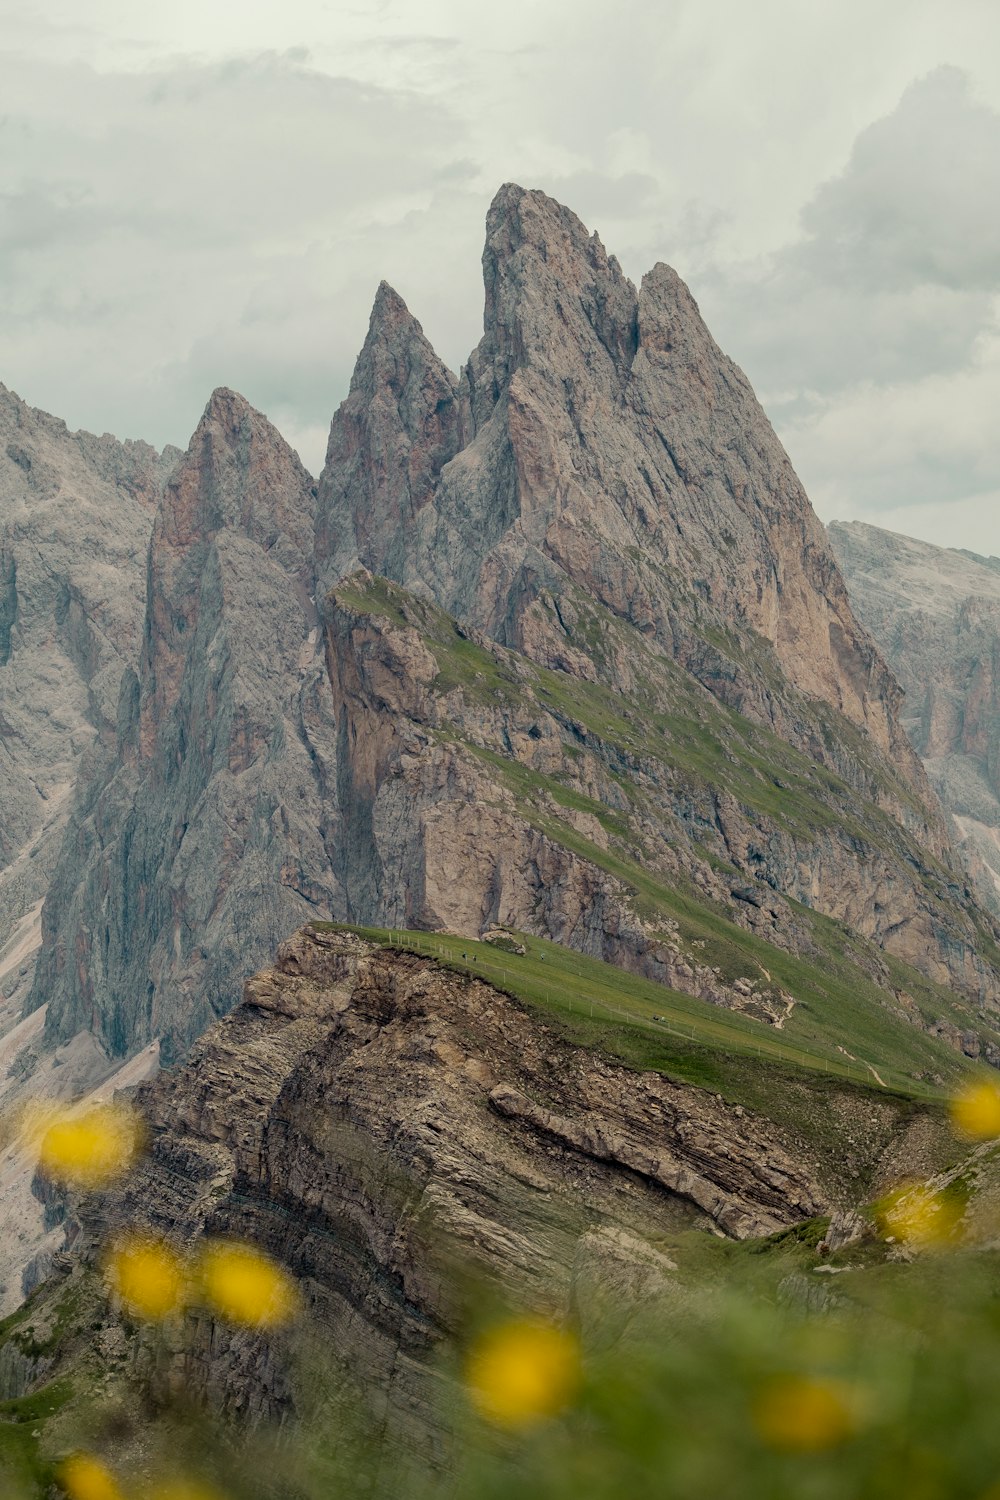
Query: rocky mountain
[[615, 695], [76, 512], [599, 448], [199, 842], [935, 612], [557, 654]]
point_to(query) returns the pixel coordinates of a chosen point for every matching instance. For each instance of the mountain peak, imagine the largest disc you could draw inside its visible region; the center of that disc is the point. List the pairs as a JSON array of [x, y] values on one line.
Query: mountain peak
[[239, 473], [388, 304], [227, 406], [527, 216], [554, 299], [392, 331], [389, 440]]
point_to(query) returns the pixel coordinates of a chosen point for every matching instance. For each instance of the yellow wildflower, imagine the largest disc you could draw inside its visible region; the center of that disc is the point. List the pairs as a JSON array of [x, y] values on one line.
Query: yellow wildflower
[[244, 1286], [84, 1477], [804, 1415], [920, 1217], [975, 1112], [148, 1276], [522, 1372], [91, 1148]]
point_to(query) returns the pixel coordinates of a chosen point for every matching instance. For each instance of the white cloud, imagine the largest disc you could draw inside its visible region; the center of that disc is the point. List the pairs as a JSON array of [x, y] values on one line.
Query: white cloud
[[185, 202], [872, 338], [927, 448], [165, 232]]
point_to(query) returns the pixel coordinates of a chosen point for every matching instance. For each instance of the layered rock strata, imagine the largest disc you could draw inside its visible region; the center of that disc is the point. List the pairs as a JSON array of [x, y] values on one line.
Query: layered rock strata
[[373, 1120]]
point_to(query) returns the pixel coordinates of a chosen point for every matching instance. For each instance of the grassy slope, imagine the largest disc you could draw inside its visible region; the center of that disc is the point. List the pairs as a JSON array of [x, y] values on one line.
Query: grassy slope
[[23, 1468], [614, 1011], [833, 1110]]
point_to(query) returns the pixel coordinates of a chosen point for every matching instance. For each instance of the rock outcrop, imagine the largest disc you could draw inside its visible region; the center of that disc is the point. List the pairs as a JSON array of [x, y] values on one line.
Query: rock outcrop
[[369, 1118], [935, 612]]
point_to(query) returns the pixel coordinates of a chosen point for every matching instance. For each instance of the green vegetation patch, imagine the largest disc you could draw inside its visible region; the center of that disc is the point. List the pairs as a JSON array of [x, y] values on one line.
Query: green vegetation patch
[[22, 1426]]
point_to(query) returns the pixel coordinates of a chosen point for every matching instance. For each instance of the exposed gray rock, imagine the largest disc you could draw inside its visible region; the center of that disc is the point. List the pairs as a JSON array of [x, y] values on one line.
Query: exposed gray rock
[[935, 611], [76, 512], [608, 450], [200, 839]]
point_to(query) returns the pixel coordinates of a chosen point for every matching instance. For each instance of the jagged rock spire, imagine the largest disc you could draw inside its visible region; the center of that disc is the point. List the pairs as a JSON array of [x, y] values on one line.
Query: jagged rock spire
[[400, 424], [600, 441]]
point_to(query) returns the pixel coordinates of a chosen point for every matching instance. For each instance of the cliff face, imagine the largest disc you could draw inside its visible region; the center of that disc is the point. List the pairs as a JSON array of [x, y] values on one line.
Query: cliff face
[[478, 789], [935, 612], [199, 840], [75, 517]]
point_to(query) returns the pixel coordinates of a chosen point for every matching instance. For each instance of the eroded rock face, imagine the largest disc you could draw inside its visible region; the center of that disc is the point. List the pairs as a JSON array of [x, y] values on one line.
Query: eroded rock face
[[401, 423], [935, 612], [75, 517], [600, 444], [200, 839], [367, 1117], [471, 796]]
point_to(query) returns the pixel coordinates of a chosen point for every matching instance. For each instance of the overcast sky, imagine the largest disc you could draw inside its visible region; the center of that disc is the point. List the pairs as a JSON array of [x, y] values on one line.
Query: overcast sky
[[208, 194]]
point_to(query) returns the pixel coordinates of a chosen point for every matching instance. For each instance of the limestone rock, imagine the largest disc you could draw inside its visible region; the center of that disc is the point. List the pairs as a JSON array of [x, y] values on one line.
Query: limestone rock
[[367, 1117], [935, 612], [469, 798], [200, 838], [600, 446], [75, 517], [400, 424]]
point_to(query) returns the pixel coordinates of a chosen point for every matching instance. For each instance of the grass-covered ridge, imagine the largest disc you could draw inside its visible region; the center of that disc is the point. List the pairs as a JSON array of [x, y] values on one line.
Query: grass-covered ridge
[[613, 1010], [839, 1009]]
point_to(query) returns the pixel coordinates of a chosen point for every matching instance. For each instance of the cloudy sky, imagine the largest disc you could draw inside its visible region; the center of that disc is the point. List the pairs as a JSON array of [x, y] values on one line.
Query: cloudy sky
[[208, 193]]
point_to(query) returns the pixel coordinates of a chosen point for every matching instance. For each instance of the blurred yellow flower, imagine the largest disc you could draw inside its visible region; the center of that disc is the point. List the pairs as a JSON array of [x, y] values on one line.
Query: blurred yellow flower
[[975, 1112], [90, 1149], [148, 1276], [522, 1372], [246, 1287], [805, 1415], [84, 1477], [918, 1216]]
